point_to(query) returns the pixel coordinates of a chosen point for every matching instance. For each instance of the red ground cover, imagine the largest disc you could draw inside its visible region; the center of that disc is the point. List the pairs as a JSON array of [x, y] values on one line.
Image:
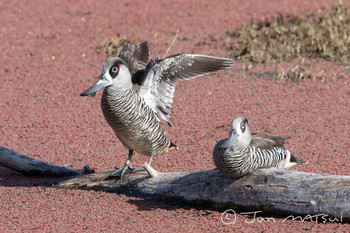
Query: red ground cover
[[49, 56]]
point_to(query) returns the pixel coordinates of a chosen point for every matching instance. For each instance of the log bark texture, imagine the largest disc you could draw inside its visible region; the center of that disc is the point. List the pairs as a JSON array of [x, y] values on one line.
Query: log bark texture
[[273, 192], [32, 167]]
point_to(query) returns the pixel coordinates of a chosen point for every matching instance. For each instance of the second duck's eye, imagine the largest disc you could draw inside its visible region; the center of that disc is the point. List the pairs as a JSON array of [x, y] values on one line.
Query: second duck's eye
[[243, 126], [114, 69]]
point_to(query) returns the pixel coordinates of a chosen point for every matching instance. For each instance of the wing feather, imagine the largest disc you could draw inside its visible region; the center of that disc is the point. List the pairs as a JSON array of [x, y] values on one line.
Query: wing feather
[[161, 76], [267, 142], [136, 56]]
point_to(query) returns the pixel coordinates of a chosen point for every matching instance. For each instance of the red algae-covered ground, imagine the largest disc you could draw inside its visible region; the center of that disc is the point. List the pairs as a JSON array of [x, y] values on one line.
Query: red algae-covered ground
[[49, 56]]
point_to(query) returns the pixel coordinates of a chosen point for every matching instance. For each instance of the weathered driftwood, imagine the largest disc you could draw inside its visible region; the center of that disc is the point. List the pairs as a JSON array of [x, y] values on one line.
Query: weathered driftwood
[[32, 167], [278, 193]]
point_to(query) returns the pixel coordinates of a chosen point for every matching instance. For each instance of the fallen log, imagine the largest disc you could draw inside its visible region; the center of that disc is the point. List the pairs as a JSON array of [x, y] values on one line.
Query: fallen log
[[32, 167], [269, 192]]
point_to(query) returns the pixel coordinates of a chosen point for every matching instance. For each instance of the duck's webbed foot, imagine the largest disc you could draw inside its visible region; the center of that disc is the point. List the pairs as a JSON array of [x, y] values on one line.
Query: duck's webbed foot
[[127, 169], [119, 174]]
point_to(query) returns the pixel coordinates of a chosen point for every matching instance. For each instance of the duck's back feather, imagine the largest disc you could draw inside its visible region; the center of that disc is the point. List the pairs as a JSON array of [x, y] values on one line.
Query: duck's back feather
[[266, 142]]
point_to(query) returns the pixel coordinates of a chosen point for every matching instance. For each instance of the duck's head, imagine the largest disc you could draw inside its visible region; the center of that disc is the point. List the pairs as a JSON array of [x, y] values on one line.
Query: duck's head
[[115, 72], [239, 128]]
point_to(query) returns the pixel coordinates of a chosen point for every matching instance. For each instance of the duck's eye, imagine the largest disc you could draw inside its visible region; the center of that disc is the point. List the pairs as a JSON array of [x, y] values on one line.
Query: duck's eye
[[243, 126], [114, 69]]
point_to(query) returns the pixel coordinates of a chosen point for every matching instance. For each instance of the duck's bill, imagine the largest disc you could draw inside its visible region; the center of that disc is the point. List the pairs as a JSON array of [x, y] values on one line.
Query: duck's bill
[[95, 88]]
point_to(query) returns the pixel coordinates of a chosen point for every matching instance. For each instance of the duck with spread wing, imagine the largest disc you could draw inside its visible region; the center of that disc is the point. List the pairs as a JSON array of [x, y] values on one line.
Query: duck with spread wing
[[137, 93]]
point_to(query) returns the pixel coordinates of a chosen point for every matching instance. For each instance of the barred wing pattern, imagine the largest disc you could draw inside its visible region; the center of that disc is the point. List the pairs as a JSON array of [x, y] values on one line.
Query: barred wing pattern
[[161, 76]]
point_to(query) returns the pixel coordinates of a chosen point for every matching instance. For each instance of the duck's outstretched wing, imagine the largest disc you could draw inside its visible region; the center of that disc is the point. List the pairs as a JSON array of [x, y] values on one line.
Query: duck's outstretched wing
[[136, 56], [161, 76], [266, 142]]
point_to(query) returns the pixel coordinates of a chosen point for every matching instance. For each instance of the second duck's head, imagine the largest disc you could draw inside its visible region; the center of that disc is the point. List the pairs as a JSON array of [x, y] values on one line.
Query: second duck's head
[[239, 129], [115, 72]]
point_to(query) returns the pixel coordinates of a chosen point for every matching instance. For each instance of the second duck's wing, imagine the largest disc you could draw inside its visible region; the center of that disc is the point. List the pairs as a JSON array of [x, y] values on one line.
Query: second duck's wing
[[266, 142], [161, 76], [136, 56]]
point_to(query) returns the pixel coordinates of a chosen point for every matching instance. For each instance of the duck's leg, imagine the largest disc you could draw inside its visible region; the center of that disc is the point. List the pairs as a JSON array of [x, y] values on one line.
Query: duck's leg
[[150, 160], [128, 168], [150, 170]]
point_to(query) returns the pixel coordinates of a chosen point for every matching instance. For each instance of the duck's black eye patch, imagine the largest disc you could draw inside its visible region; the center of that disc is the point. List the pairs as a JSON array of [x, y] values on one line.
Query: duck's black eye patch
[[243, 127], [114, 71]]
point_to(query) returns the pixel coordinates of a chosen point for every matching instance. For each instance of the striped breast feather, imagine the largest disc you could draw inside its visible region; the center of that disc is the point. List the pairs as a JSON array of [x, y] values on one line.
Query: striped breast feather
[[161, 76]]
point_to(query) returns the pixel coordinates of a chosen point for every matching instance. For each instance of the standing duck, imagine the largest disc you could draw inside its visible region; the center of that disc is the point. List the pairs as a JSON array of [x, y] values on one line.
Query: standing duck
[[243, 153], [136, 95]]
